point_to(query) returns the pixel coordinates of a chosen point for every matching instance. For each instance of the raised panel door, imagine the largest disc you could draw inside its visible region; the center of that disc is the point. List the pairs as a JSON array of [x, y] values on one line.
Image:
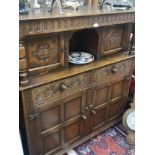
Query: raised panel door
[[118, 97], [59, 123], [98, 108], [73, 123]]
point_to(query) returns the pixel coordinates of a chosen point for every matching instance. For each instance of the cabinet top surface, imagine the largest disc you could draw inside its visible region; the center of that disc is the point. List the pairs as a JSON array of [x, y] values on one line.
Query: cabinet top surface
[[43, 13]]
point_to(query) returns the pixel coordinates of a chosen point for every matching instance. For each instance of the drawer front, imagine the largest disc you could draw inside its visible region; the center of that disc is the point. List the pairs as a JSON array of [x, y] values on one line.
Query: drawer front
[[105, 74], [59, 88]]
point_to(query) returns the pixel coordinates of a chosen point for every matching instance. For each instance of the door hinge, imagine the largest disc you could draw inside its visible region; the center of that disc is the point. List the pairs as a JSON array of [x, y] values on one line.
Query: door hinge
[[34, 115]]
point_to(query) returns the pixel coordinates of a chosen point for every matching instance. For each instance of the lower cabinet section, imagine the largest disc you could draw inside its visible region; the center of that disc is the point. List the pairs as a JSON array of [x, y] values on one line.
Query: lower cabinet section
[[58, 124]]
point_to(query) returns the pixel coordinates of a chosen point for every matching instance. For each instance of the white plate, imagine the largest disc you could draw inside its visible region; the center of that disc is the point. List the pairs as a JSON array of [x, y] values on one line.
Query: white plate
[[79, 58]]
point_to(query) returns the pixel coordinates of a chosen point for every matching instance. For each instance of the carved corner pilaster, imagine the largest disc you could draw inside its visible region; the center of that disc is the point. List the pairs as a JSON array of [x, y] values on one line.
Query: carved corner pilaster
[[22, 65]]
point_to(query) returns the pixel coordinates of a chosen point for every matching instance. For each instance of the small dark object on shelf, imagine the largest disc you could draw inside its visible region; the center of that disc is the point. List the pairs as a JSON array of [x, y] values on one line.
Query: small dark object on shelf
[[22, 8], [52, 4], [101, 5], [114, 5], [122, 6]]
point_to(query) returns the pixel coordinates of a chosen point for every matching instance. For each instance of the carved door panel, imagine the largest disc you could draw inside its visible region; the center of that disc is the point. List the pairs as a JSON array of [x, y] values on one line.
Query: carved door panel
[[59, 123], [45, 53], [98, 108], [118, 97], [112, 39]]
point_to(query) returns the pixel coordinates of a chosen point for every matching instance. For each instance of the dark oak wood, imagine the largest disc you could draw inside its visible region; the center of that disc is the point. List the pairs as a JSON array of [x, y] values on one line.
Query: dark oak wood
[[62, 105]]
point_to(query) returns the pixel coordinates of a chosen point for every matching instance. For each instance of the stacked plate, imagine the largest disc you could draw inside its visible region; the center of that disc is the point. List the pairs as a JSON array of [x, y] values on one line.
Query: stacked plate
[[79, 58]]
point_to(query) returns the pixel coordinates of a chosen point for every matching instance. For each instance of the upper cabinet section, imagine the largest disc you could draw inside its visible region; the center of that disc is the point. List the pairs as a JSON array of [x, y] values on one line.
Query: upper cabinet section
[[47, 38], [40, 21]]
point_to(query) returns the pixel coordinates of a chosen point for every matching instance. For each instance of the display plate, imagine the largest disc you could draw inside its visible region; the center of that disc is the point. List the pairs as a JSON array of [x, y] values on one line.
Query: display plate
[[80, 58]]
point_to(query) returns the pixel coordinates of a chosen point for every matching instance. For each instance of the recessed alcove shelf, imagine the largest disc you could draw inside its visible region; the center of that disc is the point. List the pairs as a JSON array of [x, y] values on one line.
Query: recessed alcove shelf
[[85, 40]]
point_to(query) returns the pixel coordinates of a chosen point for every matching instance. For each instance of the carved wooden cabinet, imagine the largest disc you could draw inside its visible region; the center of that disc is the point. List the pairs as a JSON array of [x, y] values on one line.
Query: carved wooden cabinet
[[62, 105]]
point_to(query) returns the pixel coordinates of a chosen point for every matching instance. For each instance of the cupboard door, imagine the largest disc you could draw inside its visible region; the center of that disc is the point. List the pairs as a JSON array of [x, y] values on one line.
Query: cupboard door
[[73, 113], [109, 100], [59, 123], [45, 53], [118, 97], [112, 39], [98, 108], [115, 39], [47, 127]]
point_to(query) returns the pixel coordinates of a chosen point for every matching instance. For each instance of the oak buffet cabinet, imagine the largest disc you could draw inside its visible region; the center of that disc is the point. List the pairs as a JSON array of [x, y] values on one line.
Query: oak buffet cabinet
[[61, 104]]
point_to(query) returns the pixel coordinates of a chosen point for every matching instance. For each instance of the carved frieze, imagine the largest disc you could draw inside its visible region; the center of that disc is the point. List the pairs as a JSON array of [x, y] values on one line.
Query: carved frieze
[[59, 88], [66, 23]]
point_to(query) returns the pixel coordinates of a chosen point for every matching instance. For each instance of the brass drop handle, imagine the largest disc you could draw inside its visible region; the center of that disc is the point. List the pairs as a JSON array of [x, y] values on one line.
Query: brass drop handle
[[86, 108], [90, 105], [114, 70], [84, 117], [62, 87], [93, 111], [128, 78]]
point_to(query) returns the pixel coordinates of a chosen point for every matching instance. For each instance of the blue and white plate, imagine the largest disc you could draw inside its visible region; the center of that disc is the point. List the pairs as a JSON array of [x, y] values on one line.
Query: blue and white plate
[[79, 58]]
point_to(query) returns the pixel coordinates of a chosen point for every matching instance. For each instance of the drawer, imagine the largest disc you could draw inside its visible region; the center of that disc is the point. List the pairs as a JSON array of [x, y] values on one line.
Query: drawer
[[59, 88], [107, 73]]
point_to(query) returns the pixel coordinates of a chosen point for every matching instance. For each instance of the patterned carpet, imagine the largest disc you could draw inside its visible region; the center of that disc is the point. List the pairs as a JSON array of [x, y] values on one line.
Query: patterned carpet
[[110, 142]]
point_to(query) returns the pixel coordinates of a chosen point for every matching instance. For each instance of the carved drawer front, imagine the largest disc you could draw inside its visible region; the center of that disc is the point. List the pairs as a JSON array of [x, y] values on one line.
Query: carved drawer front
[[45, 53], [112, 40], [59, 88], [105, 74]]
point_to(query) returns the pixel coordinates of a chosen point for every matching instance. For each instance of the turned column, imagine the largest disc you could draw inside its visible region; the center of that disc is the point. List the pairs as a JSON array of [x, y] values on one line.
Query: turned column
[[22, 65]]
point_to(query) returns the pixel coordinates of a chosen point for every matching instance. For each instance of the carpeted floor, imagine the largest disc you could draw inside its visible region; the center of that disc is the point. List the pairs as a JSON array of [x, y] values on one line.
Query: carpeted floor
[[110, 142]]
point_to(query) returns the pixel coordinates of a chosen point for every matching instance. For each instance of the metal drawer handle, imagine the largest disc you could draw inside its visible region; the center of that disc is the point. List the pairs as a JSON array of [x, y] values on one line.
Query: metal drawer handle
[[93, 111], [90, 105], [128, 78], [114, 70], [84, 117], [62, 87], [86, 108]]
